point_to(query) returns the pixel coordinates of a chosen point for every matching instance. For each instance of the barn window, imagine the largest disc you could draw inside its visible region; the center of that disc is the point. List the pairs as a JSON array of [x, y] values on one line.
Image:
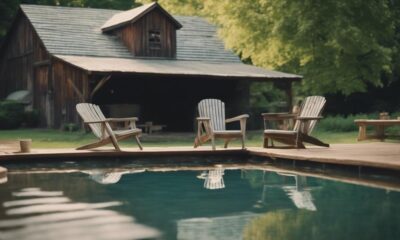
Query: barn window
[[154, 39]]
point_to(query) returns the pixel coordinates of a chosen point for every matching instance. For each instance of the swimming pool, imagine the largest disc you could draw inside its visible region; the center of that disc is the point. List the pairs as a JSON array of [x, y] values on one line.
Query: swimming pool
[[126, 199]]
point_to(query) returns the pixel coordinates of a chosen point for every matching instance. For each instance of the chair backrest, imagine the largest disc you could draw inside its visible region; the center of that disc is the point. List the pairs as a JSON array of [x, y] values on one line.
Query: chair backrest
[[311, 107], [215, 110], [91, 112]]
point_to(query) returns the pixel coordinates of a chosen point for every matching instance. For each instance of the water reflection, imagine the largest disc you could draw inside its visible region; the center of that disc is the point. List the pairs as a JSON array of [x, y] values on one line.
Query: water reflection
[[213, 179], [215, 228], [109, 176], [3, 180], [38, 214], [173, 200], [297, 191]]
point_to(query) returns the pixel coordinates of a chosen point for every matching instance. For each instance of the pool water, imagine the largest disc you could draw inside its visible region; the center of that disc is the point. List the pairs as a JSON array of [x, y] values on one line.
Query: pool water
[[98, 201]]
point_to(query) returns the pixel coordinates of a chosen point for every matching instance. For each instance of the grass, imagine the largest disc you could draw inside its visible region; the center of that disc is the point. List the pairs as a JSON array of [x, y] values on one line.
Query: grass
[[332, 129], [49, 138]]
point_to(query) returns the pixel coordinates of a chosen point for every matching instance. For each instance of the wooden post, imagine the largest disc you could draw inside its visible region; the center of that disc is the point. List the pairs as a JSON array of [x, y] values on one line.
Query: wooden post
[[287, 88], [362, 132], [380, 132], [289, 95], [241, 100], [50, 96]]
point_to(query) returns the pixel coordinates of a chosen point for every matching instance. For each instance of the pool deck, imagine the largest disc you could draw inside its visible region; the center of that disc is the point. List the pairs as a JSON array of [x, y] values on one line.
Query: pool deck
[[374, 154]]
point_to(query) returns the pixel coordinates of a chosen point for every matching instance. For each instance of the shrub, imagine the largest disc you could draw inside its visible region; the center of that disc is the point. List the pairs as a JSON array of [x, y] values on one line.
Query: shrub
[[11, 114], [71, 127], [31, 118], [341, 123]]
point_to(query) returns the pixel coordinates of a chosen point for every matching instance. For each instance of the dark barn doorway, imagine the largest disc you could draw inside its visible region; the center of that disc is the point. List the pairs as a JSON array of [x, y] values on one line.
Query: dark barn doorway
[[170, 100]]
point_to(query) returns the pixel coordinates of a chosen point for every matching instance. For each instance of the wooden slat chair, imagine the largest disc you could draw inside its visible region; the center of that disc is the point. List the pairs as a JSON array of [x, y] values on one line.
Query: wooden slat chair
[[100, 126], [305, 122], [211, 124]]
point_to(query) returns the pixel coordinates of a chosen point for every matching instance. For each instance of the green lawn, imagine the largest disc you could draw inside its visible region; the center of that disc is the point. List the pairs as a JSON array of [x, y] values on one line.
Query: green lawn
[[49, 138]]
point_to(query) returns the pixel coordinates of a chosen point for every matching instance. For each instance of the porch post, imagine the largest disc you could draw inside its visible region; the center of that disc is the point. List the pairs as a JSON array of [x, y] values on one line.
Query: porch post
[[287, 88]]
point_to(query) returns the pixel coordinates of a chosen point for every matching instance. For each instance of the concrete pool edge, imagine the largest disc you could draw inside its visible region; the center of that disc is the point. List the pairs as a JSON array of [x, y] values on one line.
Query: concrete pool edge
[[3, 173], [374, 155]]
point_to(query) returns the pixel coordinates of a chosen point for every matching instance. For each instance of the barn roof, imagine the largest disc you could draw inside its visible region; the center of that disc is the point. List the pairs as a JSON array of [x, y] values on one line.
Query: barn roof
[[74, 35], [163, 67], [77, 31], [133, 15]]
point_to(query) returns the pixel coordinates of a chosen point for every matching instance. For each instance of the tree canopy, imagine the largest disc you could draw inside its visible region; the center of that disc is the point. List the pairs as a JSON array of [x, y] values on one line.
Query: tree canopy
[[338, 46]]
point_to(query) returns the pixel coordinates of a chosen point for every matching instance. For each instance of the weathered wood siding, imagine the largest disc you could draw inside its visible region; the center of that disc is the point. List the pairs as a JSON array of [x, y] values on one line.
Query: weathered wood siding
[[24, 65], [136, 36], [56, 86], [71, 86]]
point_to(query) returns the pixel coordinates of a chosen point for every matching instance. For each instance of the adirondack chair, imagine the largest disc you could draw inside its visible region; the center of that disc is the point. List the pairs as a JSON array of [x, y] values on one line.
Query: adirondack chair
[[100, 126], [211, 124], [305, 122]]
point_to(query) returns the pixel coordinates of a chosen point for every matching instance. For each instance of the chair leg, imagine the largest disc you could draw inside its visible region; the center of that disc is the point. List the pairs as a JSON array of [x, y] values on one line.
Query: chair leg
[[138, 142], [114, 141], [94, 145], [265, 142], [213, 143], [313, 140], [226, 143], [243, 146]]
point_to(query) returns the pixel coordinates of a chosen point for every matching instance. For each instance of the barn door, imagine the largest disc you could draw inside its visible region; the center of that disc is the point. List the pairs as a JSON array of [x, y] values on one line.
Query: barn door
[[42, 98]]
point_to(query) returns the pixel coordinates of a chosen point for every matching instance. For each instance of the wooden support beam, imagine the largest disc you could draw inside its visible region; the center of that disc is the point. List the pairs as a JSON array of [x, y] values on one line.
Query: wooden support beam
[[41, 63], [101, 83], [80, 95], [27, 53]]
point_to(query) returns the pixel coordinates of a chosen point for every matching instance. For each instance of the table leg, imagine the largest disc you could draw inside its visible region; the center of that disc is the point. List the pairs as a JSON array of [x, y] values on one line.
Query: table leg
[[380, 132], [362, 132]]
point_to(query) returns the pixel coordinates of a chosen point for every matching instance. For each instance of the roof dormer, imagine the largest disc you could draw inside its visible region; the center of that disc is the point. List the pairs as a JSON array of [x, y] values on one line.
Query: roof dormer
[[147, 31]]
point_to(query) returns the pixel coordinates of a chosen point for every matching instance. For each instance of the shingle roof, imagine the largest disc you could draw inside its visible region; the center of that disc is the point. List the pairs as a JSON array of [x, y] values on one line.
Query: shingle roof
[[153, 66], [77, 31], [74, 35], [134, 14]]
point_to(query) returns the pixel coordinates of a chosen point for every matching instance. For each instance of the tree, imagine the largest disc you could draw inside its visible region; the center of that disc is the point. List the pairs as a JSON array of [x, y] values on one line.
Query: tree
[[339, 46], [7, 12]]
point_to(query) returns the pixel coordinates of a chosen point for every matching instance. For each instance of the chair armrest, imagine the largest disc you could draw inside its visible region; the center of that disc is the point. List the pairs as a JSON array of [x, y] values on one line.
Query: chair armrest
[[278, 116], [100, 121], [122, 119], [308, 118], [113, 120], [238, 118], [203, 119]]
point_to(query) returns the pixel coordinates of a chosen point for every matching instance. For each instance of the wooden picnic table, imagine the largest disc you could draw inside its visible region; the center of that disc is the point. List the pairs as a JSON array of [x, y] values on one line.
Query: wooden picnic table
[[150, 127], [379, 125]]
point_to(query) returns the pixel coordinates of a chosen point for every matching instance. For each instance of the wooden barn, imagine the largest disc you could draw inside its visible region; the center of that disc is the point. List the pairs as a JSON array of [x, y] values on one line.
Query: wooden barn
[[143, 61]]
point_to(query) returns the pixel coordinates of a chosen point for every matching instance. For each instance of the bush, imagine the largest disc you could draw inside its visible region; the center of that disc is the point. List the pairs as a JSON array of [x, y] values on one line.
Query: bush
[[71, 127], [31, 118], [341, 123], [11, 114], [346, 124]]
